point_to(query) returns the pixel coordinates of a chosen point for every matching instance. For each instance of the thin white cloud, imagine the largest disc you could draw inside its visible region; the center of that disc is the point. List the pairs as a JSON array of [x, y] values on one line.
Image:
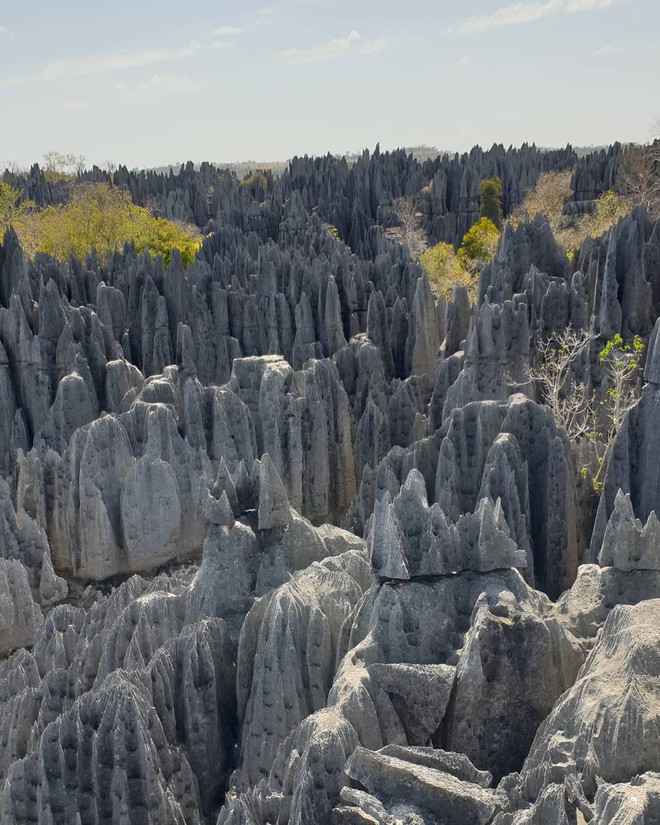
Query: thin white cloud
[[465, 60], [83, 65], [113, 61], [228, 31], [337, 47], [573, 6], [262, 18], [511, 15], [327, 51], [164, 84], [4, 30], [518, 13], [379, 44], [607, 50]]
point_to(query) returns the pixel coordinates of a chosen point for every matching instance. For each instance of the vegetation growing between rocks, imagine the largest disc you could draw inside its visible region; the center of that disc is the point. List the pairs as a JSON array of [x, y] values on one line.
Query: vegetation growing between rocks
[[576, 405], [548, 198], [103, 217], [478, 245], [490, 199], [11, 206]]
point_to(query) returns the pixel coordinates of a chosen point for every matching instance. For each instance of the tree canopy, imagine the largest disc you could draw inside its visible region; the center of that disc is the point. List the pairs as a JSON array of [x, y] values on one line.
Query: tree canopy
[[11, 206], [103, 217], [444, 268], [490, 199], [478, 245]]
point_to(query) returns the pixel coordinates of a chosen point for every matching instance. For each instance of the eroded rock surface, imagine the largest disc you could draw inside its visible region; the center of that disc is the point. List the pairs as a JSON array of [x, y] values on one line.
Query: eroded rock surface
[[287, 538]]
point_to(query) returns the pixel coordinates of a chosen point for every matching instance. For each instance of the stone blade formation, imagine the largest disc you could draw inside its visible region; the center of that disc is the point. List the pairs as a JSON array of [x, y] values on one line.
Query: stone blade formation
[[329, 492]]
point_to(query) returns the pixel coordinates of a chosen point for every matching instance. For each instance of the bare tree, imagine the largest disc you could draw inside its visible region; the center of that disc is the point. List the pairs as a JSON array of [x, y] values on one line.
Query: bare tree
[[408, 213], [622, 369], [639, 177], [574, 405], [64, 164], [110, 167], [569, 399], [14, 168]]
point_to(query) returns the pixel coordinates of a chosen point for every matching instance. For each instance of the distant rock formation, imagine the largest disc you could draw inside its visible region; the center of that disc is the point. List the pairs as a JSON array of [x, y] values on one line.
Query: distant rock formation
[[285, 538]]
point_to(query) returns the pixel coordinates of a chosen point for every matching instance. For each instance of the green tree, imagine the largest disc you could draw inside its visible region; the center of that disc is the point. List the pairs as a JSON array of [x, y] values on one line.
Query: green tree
[[11, 206], [104, 217], [478, 245], [444, 269], [256, 184], [490, 199]]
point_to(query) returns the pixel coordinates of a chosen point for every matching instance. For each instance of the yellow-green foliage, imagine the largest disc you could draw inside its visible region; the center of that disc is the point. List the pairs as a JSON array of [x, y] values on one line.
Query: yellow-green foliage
[[256, 184], [444, 269], [11, 207], [161, 236], [104, 217], [332, 231], [478, 245], [548, 197]]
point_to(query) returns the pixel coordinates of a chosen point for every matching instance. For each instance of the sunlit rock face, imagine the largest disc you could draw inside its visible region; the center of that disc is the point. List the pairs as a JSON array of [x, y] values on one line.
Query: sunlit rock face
[[285, 537]]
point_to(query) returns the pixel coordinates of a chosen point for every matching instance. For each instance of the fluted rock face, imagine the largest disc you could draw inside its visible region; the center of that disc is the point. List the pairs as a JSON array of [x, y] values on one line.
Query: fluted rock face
[[637, 801], [465, 463], [279, 532], [287, 655], [632, 467], [505, 639], [606, 722], [19, 615]]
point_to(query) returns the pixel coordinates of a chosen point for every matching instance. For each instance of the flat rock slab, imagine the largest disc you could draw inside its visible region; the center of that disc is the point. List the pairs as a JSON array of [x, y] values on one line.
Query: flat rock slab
[[394, 780]]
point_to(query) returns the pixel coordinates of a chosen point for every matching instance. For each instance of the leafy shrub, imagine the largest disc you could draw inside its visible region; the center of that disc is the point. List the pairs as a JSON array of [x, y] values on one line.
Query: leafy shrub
[[11, 206], [444, 269], [104, 217], [490, 198], [548, 197], [478, 245], [256, 184]]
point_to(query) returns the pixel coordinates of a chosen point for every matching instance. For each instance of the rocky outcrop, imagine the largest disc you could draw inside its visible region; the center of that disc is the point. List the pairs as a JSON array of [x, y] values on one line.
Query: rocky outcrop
[[188, 635], [19, 615], [604, 726]]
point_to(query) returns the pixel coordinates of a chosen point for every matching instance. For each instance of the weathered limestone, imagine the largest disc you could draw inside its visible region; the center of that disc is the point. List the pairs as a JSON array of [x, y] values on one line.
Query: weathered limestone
[[196, 424], [19, 615], [606, 722], [397, 781]]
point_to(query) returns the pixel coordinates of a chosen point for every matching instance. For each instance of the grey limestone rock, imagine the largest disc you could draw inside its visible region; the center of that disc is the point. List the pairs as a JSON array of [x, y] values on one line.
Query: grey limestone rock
[[52, 588], [273, 511], [397, 782], [423, 337], [604, 725], [19, 615], [512, 647], [652, 366], [121, 720], [419, 693], [629, 803], [410, 539], [278, 689], [203, 420], [627, 545], [632, 466], [457, 764]]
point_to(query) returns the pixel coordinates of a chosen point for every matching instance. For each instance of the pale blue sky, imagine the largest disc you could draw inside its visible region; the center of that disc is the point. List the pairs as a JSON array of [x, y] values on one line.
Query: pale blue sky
[[148, 83]]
